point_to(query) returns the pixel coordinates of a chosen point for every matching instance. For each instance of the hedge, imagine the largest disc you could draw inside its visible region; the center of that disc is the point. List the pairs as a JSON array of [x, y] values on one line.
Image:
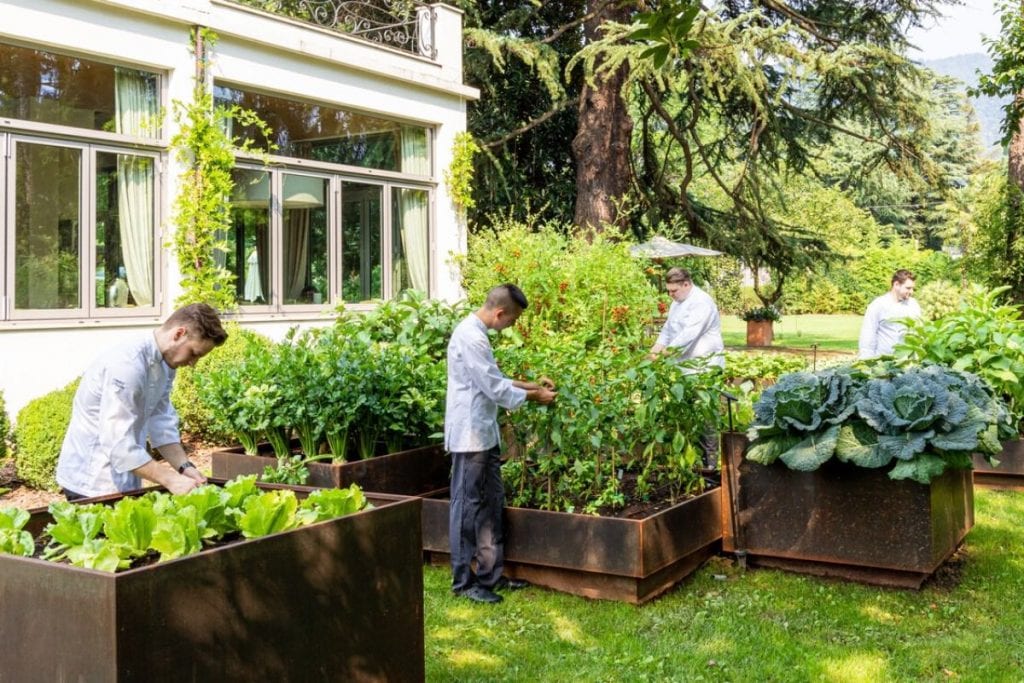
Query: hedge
[[39, 434]]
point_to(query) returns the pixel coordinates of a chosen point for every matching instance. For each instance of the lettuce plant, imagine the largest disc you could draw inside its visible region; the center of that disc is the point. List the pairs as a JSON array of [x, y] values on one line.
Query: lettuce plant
[[13, 539], [919, 420]]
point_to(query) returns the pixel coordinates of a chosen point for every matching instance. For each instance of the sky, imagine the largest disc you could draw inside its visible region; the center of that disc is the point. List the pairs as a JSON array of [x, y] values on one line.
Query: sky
[[958, 32]]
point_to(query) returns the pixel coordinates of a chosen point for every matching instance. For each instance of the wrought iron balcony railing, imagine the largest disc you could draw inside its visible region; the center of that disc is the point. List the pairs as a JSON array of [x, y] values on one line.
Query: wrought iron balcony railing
[[407, 25]]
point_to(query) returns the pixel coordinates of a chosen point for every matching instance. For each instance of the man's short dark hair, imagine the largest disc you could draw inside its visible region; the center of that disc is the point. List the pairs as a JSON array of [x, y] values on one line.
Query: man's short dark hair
[[201, 318], [504, 296], [678, 276], [902, 275]]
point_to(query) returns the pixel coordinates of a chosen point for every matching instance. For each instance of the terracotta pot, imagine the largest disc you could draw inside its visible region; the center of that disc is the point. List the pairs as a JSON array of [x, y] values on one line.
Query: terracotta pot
[[760, 332], [842, 520], [339, 600], [629, 560]]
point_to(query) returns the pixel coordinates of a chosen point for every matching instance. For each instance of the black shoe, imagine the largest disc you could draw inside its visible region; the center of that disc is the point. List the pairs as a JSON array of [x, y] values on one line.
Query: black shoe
[[507, 584], [480, 594]]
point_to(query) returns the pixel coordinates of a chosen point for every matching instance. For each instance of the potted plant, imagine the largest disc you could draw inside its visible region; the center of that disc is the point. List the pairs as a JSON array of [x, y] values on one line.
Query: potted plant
[[138, 587], [984, 337], [861, 472], [604, 499], [760, 324]]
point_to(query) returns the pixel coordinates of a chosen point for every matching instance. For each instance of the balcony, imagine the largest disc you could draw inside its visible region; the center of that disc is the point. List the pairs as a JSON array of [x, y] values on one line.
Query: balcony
[[405, 25]]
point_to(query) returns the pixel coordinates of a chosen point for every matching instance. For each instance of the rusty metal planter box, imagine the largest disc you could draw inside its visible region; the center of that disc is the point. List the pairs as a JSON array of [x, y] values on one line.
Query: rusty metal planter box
[[842, 520], [629, 560], [412, 472], [336, 601], [1010, 472]]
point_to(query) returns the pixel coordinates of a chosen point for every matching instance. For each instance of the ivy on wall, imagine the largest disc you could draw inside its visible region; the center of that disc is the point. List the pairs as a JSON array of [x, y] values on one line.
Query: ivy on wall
[[202, 209], [459, 175]]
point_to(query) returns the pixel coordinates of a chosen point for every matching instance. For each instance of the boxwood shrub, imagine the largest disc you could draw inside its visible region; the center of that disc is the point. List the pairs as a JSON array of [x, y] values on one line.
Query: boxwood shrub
[[38, 436], [5, 427], [195, 415]]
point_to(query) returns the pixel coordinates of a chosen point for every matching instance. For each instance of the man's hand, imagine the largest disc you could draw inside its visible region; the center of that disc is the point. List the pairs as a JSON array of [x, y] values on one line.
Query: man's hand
[[182, 483], [541, 395], [194, 473], [546, 383]]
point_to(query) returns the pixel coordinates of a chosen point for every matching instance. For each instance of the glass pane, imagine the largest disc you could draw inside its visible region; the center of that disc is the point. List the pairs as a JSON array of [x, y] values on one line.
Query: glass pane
[[248, 242], [360, 241], [124, 230], [304, 239], [46, 227], [331, 134], [50, 88], [409, 241]]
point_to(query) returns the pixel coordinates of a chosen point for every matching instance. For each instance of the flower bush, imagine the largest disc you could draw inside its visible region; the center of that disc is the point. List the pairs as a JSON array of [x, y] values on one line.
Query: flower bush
[[919, 419], [761, 314]]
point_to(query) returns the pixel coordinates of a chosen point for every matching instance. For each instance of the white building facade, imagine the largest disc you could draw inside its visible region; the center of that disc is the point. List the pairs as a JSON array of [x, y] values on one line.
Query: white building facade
[[349, 206]]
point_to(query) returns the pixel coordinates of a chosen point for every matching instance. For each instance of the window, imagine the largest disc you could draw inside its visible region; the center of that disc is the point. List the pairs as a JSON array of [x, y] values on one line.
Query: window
[[332, 135], [78, 212], [82, 227], [45, 87]]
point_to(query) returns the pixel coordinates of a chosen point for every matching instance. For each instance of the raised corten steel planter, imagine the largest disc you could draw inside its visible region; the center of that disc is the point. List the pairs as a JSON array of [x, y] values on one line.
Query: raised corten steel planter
[[629, 560], [411, 473], [1010, 472], [760, 332], [336, 601], [842, 520]]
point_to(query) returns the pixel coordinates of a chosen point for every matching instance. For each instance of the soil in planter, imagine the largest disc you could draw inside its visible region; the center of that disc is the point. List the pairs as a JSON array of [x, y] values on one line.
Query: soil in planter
[[655, 501]]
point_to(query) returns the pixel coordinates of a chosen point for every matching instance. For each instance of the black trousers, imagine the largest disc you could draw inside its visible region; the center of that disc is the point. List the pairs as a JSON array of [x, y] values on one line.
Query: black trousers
[[474, 524]]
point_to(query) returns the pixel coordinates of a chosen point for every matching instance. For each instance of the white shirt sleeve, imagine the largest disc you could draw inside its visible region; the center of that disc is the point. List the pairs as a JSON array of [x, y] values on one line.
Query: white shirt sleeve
[[868, 343], [162, 426], [483, 373], [121, 422]]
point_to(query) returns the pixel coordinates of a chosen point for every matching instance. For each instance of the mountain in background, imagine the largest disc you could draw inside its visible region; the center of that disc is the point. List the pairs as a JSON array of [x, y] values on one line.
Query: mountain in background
[[988, 109]]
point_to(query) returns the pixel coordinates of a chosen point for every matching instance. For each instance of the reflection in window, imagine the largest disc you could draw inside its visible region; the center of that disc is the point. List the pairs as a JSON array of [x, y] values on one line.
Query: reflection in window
[[360, 241], [47, 205], [124, 230], [409, 240], [304, 239], [330, 134], [248, 250], [45, 87]]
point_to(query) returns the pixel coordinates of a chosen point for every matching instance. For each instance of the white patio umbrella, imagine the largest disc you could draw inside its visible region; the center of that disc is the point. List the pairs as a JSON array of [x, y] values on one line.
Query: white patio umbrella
[[660, 247]]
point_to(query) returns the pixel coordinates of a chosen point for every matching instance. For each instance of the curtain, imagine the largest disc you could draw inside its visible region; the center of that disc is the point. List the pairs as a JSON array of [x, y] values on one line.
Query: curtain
[[412, 210], [296, 252], [136, 112]]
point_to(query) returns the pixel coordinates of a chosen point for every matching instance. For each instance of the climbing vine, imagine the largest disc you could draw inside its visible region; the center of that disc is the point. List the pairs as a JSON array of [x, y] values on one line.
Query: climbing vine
[[459, 176], [202, 209]]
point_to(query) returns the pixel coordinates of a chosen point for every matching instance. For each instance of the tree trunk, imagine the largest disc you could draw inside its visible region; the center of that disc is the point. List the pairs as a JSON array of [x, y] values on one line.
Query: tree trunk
[[602, 142], [1015, 211]]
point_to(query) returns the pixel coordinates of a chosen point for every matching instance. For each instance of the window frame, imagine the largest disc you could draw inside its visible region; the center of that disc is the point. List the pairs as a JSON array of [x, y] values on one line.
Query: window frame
[[87, 183]]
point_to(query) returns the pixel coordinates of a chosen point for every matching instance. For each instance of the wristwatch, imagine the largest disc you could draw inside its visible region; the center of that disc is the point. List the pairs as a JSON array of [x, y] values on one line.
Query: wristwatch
[[184, 466]]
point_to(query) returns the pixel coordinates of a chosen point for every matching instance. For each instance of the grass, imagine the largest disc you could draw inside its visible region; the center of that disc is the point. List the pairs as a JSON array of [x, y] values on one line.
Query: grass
[[829, 332], [724, 624]]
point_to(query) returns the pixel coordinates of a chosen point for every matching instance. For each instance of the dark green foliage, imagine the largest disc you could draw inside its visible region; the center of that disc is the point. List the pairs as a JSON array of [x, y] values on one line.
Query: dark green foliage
[[39, 434], [194, 413]]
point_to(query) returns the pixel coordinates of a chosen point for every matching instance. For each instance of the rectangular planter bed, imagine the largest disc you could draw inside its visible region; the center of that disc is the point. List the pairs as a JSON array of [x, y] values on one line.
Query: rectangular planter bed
[[413, 472], [629, 560], [1010, 472], [335, 601], [842, 520]]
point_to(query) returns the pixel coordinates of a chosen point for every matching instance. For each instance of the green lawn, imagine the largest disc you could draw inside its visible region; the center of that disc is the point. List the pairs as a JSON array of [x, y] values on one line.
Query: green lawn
[[723, 624], [830, 332]]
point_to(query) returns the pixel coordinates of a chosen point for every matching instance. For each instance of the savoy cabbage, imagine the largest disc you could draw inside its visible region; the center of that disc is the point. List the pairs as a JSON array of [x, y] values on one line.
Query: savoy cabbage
[[921, 420]]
